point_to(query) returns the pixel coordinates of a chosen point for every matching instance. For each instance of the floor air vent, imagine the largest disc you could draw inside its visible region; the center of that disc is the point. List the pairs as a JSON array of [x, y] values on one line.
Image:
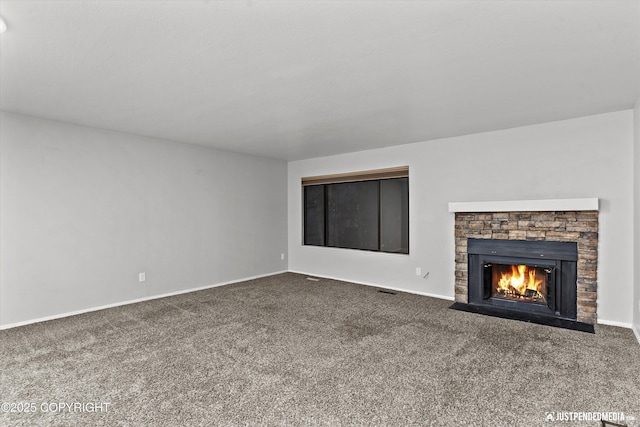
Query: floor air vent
[[386, 292], [313, 279]]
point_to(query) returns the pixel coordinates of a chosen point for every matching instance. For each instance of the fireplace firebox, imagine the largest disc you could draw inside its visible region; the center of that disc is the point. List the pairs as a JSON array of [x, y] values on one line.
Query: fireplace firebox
[[534, 281]]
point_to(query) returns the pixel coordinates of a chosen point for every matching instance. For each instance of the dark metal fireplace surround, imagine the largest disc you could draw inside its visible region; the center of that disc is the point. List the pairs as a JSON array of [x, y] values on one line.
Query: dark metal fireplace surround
[[533, 281]]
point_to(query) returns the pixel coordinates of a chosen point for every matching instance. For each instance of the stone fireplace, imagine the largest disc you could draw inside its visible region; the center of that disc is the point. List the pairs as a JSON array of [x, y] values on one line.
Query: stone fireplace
[[535, 259]]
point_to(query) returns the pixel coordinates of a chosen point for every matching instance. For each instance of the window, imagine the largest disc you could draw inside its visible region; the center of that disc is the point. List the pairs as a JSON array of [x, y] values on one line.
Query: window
[[365, 210]]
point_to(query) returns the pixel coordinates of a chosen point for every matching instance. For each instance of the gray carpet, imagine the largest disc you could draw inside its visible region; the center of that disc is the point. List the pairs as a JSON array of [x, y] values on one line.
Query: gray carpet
[[287, 351]]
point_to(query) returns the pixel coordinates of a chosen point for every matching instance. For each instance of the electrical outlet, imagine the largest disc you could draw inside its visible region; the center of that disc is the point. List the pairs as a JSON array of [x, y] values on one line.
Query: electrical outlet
[[418, 271], [281, 257], [142, 277]]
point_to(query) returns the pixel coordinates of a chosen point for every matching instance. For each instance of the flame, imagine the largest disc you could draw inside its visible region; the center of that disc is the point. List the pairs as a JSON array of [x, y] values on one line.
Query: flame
[[519, 281]]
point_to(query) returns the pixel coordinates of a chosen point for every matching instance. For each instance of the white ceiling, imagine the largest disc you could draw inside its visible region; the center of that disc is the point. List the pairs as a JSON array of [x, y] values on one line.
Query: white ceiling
[[300, 79]]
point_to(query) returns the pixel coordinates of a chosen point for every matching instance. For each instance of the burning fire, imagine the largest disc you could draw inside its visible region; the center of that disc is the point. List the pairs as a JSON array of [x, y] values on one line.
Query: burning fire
[[521, 282]]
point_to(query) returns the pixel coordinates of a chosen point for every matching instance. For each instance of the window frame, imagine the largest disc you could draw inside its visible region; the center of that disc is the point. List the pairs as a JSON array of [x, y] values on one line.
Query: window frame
[[378, 175]]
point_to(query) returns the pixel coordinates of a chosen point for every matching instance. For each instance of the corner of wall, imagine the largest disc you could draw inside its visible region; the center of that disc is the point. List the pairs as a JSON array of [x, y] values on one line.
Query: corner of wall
[[636, 219], [1, 204]]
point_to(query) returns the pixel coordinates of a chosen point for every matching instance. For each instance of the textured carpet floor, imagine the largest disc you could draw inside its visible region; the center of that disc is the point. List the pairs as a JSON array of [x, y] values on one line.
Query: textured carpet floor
[[283, 350]]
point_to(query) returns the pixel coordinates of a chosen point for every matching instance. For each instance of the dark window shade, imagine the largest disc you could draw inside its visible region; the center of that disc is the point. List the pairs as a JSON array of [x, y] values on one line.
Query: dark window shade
[[369, 214], [394, 215], [352, 215], [314, 215]]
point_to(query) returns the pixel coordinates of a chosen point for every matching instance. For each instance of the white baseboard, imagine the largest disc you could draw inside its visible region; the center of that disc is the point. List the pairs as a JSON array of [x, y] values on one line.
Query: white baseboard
[[614, 323], [376, 285], [635, 329], [133, 301], [448, 298]]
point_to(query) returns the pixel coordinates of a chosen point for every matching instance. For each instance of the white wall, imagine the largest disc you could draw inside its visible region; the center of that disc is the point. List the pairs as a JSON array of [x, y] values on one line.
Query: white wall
[[584, 157], [636, 218], [83, 211]]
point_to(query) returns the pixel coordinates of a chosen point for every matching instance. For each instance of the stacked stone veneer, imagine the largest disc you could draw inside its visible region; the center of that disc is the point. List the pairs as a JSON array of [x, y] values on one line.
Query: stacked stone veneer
[[562, 226]]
